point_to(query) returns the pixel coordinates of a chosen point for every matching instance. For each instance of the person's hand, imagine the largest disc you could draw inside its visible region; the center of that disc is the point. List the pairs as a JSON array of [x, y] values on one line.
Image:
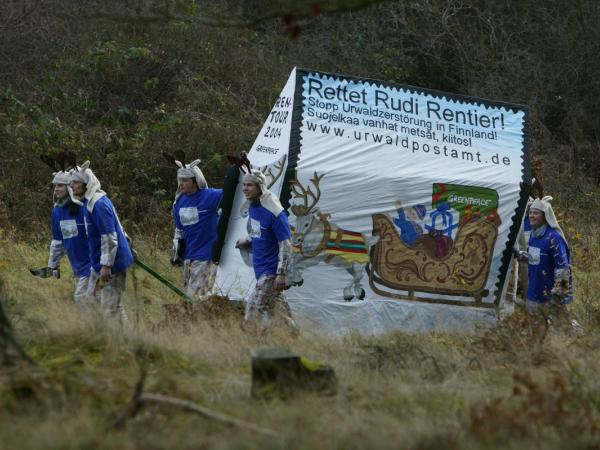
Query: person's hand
[[176, 261], [560, 289], [105, 273], [280, 282], [242, 243], [523, 256]]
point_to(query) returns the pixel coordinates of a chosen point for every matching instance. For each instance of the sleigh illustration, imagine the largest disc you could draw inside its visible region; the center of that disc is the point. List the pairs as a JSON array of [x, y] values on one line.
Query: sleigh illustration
[[461, 268]]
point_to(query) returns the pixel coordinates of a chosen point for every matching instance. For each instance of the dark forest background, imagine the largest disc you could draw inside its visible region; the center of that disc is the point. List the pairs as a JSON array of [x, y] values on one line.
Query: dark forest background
[[120, 81]]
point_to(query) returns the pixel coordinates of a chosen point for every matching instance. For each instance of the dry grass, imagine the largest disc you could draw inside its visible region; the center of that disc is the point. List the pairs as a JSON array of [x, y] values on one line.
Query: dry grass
[[506, 387]]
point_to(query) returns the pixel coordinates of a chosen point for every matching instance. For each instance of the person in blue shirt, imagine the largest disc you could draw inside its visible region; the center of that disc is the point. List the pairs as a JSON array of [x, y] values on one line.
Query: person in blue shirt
[[196, 214], [69, 235], [109, 250], [517, 287], [550, 278], [409, 222], [269, 237]]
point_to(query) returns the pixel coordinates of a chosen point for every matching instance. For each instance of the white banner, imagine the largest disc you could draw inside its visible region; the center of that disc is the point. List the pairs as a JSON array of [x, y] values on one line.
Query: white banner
[[404, 202]]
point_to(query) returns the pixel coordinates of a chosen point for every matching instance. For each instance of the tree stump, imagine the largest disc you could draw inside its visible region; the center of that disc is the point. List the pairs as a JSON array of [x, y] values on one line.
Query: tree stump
[[277, 372]]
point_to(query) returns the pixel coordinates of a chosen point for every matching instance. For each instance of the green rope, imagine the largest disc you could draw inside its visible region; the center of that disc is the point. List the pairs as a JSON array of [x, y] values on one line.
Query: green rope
[[162, 279]]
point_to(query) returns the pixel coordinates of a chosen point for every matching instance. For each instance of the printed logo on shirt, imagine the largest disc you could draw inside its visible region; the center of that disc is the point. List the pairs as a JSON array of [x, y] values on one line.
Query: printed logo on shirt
[[254, 228], [188, 216], [68, 229], [534, 256]]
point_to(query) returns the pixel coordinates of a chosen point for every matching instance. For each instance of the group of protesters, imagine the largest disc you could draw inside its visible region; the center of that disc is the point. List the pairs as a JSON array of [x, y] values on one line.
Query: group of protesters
[[86, 226]]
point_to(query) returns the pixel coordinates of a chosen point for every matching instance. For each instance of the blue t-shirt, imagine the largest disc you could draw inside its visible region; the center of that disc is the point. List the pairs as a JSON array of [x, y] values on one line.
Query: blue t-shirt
[[546, 253], [104, 220], [70, 229], [197, 215], [526, 224], [266, 231], [526, 228]]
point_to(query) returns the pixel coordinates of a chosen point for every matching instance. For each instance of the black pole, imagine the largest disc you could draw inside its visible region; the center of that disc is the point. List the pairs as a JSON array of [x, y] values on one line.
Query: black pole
[[230, 183]]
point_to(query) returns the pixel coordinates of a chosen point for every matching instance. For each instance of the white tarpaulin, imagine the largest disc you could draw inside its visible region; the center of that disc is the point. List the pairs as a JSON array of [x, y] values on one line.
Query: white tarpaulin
[[404, 203]]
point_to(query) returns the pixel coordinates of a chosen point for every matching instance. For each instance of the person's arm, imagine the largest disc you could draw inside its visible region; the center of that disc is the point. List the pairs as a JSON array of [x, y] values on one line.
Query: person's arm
[[107, 226], [283, 234], [178, 241], [562, 267], [178, 244], [520, 254], [285, 253], [244, 243], [284, 256], [57, 250], [56, 253]]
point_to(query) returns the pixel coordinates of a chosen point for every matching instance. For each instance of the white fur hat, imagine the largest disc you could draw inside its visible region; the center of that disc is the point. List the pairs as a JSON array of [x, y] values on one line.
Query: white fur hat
[[544, 205], [62, 177], [267, 199], [192, 170], [93, 190]]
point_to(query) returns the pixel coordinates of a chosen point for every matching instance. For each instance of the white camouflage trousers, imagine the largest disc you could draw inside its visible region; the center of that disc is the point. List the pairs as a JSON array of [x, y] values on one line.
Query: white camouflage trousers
[[265, 304], [198, 277], [81, 287], [110, 294]]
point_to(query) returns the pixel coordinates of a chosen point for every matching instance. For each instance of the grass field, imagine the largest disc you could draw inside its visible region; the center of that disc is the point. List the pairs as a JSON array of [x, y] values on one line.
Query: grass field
[[508, 387]]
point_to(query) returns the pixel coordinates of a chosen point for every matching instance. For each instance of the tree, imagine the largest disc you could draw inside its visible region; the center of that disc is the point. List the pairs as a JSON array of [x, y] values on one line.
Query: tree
[[11, 353]]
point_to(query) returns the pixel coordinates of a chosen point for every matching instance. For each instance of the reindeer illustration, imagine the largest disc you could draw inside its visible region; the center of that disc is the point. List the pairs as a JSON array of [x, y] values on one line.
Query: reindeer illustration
[[315, 240], [274, 171]]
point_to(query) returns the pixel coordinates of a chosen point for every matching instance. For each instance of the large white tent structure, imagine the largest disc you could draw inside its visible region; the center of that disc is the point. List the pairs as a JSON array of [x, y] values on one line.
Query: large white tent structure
[[405, 203]]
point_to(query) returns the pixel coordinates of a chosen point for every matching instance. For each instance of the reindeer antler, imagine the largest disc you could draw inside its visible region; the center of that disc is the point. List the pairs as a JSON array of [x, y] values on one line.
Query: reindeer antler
[[538, 187], [179, 156], [49, 161], [274, 176], [538, 184], [61, 159], [169, 157], [70, 159], [64, 160], [242, 162], [300, 191], [245, 161]]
